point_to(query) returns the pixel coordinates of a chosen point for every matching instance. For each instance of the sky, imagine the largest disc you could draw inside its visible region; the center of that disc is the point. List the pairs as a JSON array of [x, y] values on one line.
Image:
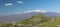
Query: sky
[[17, 6]]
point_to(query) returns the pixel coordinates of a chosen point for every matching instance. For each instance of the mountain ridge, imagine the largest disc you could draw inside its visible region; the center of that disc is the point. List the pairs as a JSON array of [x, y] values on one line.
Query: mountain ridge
[[22, 16]]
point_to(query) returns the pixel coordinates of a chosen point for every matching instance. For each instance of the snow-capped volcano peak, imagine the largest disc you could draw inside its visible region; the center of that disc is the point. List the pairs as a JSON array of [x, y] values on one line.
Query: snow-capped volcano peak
[[35, 11]]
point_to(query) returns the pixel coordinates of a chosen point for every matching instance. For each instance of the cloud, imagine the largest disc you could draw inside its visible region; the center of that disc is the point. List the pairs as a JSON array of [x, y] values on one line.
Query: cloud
[[8, 4], [20, 2], [35, 11]]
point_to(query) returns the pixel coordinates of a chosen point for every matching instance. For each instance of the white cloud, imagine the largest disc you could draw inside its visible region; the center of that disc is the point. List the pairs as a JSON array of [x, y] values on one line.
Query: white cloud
[[20, 2], [35, 11], [8, 4]]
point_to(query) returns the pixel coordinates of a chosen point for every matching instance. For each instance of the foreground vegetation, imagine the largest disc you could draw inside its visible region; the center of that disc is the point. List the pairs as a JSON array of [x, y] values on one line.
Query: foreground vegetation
[[38, 20]]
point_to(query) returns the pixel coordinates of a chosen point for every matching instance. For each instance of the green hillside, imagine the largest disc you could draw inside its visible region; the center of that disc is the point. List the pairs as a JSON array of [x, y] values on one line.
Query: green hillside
[[35, 20], [38, 20], [41, 20]]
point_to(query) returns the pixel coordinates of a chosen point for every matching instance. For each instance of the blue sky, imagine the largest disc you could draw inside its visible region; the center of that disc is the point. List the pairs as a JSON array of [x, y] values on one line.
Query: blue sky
[[16, 6]]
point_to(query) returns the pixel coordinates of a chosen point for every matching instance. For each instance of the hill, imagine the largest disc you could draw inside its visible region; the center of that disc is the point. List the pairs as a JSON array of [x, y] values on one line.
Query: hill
[[35, 20], [41, 20], [38, 20]]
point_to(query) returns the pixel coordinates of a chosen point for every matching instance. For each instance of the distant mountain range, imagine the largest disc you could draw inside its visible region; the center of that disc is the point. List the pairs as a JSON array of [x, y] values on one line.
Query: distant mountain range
[[25, 15]]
